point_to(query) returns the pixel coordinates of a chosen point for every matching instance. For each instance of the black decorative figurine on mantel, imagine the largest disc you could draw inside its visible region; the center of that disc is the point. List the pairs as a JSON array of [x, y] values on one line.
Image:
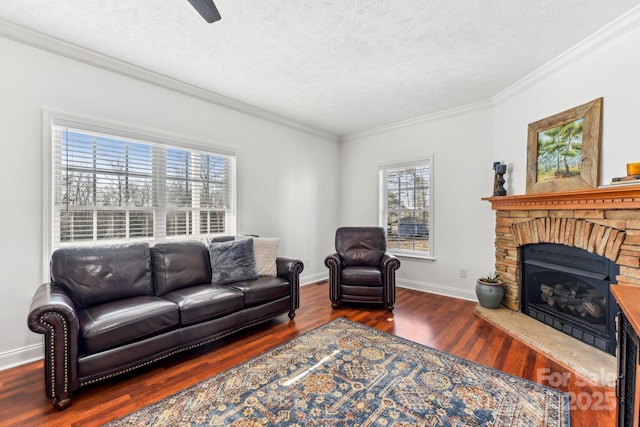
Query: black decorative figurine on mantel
[[498, 180]]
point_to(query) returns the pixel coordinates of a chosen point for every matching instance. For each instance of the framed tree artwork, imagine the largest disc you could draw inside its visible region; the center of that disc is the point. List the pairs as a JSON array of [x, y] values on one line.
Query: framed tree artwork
[[563, 151]]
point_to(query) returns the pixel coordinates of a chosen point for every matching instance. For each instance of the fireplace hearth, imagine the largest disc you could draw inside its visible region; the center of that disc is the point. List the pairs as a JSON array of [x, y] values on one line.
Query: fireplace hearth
[[568, 289]]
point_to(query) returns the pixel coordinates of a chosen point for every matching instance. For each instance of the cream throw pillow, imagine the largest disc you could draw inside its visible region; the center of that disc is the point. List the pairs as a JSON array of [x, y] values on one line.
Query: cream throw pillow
[[265, 250]]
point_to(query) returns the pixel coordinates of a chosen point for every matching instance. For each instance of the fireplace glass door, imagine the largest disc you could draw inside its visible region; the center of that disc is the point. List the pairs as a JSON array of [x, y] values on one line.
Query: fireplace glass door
[[568, 289]]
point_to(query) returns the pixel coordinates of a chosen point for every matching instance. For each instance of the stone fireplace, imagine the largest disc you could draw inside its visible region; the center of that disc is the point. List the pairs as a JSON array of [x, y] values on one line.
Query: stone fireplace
[[604, 222]]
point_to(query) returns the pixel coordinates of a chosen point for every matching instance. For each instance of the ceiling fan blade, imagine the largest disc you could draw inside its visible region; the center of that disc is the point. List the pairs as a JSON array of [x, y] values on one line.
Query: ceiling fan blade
[[207, 9]]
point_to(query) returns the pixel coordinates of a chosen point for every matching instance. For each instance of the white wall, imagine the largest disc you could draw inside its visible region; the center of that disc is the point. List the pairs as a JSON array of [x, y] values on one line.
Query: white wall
[[284, 186], [460, 143], [465, 144], [607, 66]]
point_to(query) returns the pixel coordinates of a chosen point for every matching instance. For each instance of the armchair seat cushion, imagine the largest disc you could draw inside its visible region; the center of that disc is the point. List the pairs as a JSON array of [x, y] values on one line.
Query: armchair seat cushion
[[361, 293], [263, 289], [204, 302], [115, 323], [361, 276]]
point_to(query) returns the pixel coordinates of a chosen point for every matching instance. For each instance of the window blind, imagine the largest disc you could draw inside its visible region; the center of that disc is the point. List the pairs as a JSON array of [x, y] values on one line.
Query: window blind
[[109, 187], [406, 207]]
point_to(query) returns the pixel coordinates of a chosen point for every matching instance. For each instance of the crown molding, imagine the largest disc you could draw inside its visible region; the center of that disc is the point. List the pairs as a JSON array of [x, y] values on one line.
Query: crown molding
[[451, 112], [619, 27], [611, 32], [614, 30], [72, 51]]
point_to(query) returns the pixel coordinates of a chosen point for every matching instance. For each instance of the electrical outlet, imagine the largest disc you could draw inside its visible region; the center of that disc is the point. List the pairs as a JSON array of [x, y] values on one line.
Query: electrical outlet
[[463, 272]]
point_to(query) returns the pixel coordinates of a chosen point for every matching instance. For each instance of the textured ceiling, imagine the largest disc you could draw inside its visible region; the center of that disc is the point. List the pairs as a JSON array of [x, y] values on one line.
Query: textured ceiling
[[341, 66]]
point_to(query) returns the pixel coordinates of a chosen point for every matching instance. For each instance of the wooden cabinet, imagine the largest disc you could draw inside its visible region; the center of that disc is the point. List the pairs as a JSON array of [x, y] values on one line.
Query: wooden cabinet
[[628, 330]]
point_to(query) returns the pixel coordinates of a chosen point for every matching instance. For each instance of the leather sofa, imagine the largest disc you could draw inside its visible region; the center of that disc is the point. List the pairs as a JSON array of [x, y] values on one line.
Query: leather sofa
[[111, 309]]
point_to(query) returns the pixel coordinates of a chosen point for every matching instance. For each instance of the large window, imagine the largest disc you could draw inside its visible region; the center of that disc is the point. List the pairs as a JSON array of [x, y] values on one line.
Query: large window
[[406, 207], [111, 185]]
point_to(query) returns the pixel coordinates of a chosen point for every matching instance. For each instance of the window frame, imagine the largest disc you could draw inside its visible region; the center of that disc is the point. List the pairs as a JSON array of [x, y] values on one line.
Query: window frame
[[155, 139], [383, 210]]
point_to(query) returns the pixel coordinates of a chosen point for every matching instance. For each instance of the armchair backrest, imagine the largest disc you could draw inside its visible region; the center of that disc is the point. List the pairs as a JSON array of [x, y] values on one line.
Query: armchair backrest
[[361, 245]]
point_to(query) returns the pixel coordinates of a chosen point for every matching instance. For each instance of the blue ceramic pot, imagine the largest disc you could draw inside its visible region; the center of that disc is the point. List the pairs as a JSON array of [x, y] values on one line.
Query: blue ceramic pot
[[489, 294]]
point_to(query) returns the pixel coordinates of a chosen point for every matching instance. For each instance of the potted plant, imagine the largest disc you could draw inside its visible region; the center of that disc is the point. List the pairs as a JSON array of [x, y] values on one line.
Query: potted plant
[[489, 290]]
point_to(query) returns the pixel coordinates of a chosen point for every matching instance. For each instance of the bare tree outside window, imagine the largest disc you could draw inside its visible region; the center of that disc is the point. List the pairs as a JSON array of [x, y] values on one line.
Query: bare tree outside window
[[108, 188], [406, 207]]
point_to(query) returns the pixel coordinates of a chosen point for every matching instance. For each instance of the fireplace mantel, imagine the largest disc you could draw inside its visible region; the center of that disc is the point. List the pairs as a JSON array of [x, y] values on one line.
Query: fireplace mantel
[[611, 197]]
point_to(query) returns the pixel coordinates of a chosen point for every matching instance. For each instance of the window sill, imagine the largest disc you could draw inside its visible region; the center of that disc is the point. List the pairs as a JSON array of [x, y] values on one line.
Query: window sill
[[422, 258]]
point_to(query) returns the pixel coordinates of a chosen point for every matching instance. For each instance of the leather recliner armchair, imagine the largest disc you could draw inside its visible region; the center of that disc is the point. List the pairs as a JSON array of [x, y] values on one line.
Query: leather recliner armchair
[[361, 270]]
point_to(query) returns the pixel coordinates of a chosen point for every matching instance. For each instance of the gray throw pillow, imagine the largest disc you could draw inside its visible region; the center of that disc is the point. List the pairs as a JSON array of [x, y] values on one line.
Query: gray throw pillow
[[221, 239], [232, 261]]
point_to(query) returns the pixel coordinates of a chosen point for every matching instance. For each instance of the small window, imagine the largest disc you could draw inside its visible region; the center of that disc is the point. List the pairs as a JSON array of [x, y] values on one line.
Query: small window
[[406, 207], [110, 185]]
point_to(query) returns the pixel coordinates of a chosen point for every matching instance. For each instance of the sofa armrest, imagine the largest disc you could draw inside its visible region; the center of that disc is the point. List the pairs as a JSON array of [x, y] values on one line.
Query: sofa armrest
[[53, 314], [334, 264], [333, 261], [390, 263], [290, 270]]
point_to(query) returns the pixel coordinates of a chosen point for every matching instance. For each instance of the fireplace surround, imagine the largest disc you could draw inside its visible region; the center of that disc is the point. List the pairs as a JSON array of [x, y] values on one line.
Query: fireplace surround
[[603, 221]]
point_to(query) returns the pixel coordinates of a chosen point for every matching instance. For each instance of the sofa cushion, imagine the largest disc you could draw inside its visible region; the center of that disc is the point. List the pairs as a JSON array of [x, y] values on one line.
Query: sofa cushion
[[180, 264], [94, 275], [232, 261], [204, 302], [115, 323], [262, 290]]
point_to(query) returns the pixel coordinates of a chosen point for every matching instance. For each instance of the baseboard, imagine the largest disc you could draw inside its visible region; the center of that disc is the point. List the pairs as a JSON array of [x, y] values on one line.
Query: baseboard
[[313, 278], [20, 356], [433, 288]]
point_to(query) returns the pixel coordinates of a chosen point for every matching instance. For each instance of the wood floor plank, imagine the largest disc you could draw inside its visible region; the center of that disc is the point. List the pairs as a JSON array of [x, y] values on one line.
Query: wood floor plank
[[444, 323]]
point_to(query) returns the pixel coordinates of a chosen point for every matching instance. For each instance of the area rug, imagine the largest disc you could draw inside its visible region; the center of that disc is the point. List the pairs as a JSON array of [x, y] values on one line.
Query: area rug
[[348, 374]]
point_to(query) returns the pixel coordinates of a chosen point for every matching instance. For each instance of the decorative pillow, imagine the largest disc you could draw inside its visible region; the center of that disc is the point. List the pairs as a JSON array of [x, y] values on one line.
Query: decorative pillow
[[220, 239], [265, 250], [232, 261]]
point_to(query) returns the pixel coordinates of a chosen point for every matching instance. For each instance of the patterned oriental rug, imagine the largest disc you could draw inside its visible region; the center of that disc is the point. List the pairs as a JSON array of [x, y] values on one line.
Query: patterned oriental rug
[[348, 374]]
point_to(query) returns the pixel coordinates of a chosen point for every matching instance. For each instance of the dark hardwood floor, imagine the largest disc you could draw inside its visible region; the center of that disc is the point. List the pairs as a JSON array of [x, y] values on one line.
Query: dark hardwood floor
[[444, 323]]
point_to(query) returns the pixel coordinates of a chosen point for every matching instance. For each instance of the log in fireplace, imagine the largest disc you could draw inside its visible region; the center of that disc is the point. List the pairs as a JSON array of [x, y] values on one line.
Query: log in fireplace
[[567, 288]]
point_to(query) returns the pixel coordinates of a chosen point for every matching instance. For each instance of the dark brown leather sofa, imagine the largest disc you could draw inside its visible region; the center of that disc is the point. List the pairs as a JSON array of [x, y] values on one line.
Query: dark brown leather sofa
[[111, 309]]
